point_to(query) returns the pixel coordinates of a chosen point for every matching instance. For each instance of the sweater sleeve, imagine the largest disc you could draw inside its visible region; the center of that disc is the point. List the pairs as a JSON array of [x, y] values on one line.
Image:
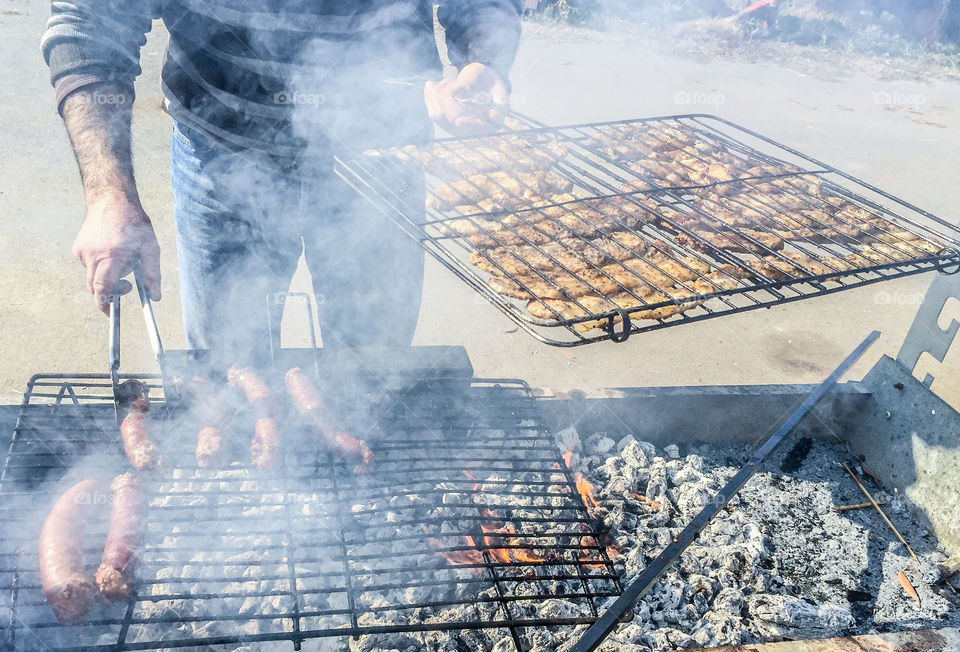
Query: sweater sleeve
[[482, 31], [97, 38]]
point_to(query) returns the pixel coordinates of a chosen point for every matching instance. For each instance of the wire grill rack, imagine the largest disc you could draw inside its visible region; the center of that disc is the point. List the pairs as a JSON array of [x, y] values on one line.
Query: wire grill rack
[[233, 556], [591, 232]]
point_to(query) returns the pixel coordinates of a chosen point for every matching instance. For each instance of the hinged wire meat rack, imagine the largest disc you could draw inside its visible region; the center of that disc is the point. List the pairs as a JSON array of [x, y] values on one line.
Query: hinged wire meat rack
[[594, 232]]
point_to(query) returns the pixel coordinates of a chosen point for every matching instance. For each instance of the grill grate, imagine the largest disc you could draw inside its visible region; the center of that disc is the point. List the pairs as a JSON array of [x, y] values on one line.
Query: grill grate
[[317, 551], [591, 232]]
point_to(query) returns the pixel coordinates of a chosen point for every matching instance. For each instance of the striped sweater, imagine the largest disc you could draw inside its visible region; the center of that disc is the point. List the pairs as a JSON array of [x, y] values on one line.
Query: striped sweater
[[284, 76]]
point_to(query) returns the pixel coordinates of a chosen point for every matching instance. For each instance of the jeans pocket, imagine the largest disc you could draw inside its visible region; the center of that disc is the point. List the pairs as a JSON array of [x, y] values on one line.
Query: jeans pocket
[[192, 138]]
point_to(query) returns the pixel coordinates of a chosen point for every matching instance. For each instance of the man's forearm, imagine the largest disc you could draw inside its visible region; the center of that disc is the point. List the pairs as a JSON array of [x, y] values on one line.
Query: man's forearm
[[98, 122]]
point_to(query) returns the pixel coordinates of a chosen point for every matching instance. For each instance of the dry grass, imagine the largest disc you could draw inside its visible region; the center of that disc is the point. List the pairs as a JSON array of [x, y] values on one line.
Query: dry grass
[[806, 38], [719, 38]]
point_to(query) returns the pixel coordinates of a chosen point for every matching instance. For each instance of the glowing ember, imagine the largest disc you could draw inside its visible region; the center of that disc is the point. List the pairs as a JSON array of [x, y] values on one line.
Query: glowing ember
[[650, 505], [456, 557]]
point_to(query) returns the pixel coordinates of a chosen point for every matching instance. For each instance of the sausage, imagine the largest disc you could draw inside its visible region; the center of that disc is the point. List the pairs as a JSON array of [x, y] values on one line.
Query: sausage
[[212, 449], [127, 524], [66, 585], [135, 431], [265, 448], [311, 407]]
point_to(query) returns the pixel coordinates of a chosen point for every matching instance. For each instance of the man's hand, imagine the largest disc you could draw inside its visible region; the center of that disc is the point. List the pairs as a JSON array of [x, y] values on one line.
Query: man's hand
[[462, 106], [114, 234]]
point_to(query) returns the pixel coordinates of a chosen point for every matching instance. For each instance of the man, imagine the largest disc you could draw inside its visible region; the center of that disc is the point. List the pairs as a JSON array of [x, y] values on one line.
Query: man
[[263, 94]]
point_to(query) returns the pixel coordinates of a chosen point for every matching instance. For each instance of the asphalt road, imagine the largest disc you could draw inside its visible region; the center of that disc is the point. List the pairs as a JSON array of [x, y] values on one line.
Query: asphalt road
[[901, 136]]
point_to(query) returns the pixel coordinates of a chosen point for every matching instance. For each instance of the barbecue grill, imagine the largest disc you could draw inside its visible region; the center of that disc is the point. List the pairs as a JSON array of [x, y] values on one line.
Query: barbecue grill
[[645, 230]]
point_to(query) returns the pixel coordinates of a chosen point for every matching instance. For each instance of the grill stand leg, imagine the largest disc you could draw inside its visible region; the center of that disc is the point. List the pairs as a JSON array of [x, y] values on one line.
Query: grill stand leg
[[925, 335]]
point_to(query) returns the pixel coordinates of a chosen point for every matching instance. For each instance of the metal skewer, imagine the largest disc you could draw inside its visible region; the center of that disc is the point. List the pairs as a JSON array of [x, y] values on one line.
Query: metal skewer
[[609, 620]]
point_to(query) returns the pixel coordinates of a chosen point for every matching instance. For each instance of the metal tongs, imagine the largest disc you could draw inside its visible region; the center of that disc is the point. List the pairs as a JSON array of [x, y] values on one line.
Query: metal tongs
[[152, 332]]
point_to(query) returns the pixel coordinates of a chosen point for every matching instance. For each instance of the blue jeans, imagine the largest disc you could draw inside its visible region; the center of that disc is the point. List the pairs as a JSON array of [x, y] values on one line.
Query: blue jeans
[[242, 222]]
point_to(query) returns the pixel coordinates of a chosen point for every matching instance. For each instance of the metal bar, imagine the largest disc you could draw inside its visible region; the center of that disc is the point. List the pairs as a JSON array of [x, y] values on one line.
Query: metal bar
[[607, 622]]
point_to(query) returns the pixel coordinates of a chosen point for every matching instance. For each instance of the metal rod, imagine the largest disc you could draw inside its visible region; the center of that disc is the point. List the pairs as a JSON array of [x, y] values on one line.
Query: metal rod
[[607, 622]]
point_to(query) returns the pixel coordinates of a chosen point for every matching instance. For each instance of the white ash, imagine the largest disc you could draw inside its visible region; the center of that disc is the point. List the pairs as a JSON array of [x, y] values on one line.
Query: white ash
[[777, 563]]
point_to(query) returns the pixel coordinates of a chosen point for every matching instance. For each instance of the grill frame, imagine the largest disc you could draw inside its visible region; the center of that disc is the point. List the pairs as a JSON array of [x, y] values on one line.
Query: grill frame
[[88, 398], [381, 180]]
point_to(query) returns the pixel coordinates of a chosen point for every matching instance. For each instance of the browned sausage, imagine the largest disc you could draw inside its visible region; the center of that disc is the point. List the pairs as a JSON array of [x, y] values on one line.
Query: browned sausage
[[135, 430], [265, 448], [311, 407], [127, 525], [66, 585], [212, 447]]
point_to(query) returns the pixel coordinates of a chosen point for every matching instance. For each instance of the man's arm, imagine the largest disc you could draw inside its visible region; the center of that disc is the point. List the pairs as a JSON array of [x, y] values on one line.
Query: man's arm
[[115, 231], [482, 38], [93, 50]]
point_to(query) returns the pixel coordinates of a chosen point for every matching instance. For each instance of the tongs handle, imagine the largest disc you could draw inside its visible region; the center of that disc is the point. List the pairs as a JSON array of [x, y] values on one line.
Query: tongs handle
[[115, 352], [152, 331]]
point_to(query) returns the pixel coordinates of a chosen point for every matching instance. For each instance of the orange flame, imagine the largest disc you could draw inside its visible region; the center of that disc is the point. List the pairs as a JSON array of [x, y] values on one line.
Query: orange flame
[[500, 541], [496, 534], [586, 490], [568, 457]]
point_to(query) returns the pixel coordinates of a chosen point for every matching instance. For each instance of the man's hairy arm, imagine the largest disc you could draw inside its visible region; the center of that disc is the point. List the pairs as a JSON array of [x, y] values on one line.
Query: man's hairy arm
[[93, 50], [116, 230]]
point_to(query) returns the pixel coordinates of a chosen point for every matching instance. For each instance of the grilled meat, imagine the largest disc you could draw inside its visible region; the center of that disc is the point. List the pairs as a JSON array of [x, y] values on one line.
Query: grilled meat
[[135, 430], [310, 406], [115, 577], [265, 447], [513, 153], [68, 590], [743, 241], [212, 446]]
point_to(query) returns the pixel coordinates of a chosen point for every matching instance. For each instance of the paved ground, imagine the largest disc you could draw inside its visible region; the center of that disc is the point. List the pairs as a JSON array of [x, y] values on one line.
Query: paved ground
[[902, 136]]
